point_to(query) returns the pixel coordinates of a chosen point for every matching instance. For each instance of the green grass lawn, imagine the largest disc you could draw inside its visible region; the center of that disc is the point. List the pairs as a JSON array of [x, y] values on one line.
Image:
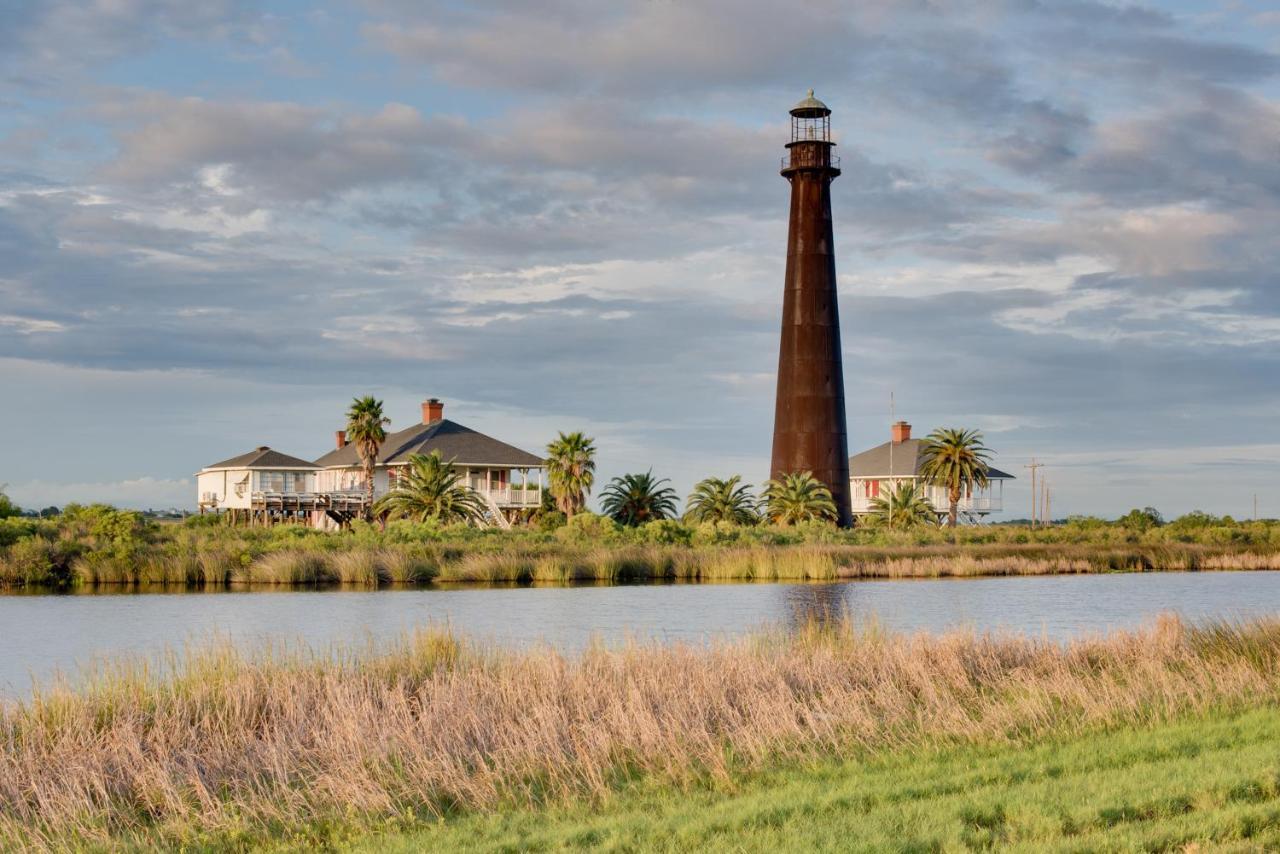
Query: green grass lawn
[[1197, 785]]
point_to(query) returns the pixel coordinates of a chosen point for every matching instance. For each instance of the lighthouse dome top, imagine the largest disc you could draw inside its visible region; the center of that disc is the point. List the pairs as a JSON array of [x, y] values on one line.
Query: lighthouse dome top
[[810, 107]]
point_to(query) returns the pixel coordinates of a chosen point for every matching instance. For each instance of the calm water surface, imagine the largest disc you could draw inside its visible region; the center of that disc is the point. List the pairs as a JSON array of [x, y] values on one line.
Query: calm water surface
[[45, 634]]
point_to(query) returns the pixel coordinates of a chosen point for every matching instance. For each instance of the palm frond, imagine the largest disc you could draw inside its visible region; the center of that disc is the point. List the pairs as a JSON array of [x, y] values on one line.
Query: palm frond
[[634, 499], [798, 497]]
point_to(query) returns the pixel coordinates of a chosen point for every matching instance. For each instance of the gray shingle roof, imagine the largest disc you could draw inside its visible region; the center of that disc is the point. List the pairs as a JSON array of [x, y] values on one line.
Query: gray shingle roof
[[263, 458], [906, 462], [462, 445]]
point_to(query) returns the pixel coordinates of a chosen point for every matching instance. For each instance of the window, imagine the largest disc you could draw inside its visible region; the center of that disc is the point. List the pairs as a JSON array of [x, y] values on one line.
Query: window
[[270, 481]]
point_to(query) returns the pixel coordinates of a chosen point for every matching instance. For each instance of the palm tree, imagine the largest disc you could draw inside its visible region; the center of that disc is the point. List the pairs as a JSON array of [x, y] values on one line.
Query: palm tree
[[634, 499], [716, 500], [955, 459], [903, 505], [571, 471], [430, 488], [798, 497], [367, 430]]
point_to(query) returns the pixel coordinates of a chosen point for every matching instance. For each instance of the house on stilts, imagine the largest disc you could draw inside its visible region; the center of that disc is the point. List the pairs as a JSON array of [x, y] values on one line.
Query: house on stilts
[[879, 469], [265, 486]]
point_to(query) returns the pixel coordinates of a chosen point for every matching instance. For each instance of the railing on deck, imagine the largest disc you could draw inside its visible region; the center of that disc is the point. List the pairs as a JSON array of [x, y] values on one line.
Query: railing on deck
[[514, 496], [982, 503]]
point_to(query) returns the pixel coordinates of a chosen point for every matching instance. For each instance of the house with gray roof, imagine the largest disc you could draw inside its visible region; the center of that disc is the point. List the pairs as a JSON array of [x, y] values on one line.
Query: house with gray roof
[[878, 469], [231, 484], [507, 478], [268, 485]]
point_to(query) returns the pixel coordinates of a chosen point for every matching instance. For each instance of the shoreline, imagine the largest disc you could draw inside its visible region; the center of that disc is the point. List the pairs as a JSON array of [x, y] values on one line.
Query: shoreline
[[444, 584], [428, 564]]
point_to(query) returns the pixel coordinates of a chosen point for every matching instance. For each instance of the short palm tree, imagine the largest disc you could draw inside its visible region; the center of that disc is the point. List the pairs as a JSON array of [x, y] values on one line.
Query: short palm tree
[[430, 488], [717, 500], [634, 499], [367, 430], [957, 460], [571, 471], [798, 497], [903, 505]]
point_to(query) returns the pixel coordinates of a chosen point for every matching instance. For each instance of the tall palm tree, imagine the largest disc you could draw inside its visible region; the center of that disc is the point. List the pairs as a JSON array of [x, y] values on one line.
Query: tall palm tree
[[634, 499], [716, 500], [903, 505], [571, 471], [367, 430], [430, 488], [955, 459], [798, 497]]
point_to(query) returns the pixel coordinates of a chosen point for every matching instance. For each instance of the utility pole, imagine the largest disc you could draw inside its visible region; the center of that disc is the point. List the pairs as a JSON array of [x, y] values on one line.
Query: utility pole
[[1034, 495], [1048, 516], [1255, 507]]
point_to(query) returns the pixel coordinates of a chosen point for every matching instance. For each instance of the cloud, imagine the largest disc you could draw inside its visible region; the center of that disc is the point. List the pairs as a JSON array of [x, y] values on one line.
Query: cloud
[[266, 149], [630, 48], [1055, 222], [44, 39]]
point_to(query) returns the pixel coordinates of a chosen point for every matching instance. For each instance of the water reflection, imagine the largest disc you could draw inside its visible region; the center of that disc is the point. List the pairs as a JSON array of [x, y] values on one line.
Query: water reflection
[[815, 604]]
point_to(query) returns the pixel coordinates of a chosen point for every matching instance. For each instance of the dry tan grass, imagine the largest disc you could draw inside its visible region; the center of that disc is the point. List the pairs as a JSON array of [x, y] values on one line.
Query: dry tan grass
[[236, 747]]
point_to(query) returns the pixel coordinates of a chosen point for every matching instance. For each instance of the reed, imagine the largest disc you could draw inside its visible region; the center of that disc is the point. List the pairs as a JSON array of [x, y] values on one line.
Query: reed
[[214, 556], [219, 748]]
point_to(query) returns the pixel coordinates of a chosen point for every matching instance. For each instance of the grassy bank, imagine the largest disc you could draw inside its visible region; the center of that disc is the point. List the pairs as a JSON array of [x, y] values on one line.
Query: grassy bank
[[302, 750], [101, 546], [1213, 783]]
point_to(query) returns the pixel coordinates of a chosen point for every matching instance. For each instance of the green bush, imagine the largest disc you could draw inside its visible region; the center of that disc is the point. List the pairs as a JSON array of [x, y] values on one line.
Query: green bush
[[666, 532], [551, 520], [589, 528], [7, 508], [16, 528]]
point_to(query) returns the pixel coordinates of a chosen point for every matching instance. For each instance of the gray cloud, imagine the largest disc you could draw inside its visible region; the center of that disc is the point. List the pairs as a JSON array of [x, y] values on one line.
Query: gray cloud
[[1055, 219], [44, 40]]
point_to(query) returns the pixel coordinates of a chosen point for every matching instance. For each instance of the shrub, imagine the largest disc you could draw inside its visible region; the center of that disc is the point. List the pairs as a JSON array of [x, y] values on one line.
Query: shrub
[[589, 528], [551, 520], [36, 561], [667, 531], [7, 508]]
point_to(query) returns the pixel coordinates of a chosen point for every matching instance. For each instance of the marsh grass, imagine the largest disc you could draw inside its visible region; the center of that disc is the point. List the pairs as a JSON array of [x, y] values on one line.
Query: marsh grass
[[213, 556], [219, 748]]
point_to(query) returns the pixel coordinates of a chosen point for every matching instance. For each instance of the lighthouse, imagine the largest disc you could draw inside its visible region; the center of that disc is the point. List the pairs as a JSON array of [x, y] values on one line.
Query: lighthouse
[[809, 432]]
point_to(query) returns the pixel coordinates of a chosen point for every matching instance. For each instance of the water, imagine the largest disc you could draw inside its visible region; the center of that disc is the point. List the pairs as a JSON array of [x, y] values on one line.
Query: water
[[44, 634]]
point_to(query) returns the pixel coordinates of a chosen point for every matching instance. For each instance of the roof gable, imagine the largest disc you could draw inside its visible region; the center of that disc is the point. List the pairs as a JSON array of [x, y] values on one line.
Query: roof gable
[[455, 443], [263, 458]]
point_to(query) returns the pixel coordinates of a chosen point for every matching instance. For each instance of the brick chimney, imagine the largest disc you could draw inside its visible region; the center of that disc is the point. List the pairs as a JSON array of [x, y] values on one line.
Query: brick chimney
[[432, 410], [340, 439], [900, 432]]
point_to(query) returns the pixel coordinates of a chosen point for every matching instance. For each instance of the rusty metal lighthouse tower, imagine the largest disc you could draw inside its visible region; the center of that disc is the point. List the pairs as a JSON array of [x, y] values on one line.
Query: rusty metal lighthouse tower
[[809, 432]]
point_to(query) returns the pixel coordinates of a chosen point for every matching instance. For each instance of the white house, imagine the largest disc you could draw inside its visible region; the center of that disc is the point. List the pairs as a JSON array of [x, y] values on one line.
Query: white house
[[898, 461], [267, 486], [231, 484]]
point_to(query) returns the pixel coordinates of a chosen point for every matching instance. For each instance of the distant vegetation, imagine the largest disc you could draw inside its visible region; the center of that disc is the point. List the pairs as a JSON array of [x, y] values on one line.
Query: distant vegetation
[[312, 751], [102, 545]]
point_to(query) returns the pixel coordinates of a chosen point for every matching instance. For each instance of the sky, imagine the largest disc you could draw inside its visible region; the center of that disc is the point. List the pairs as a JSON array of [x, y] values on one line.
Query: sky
[[221, 221]]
